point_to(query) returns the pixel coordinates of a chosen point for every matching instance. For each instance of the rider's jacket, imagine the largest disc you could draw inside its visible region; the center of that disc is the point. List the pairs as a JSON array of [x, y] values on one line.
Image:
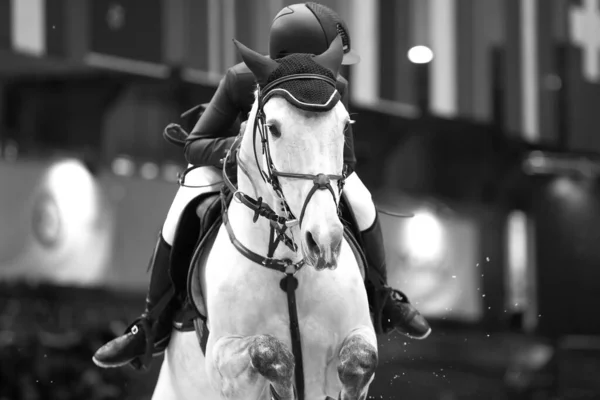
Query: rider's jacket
[[214, 132]]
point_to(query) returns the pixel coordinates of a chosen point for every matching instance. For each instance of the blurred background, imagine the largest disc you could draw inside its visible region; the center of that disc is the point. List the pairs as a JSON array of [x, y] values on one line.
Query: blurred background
[[480, 116]]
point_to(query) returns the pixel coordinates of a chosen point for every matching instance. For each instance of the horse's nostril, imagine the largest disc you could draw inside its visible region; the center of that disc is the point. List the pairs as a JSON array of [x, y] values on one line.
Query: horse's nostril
[[311, 244], [337, 247]]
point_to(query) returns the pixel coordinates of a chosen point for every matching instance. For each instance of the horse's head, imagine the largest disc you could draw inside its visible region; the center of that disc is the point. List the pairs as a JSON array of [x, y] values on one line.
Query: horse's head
[[299, 122]]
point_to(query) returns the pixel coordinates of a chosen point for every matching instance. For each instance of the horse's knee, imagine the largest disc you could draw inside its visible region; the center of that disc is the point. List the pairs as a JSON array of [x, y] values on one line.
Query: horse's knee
[[271, 358], [358, 361]]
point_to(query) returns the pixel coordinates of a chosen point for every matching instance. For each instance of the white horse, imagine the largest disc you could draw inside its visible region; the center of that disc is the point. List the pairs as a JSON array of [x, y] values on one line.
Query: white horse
[[249, 350]]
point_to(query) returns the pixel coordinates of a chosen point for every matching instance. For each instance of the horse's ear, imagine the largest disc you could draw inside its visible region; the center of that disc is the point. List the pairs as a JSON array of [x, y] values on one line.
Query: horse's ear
[[261, 66], [332, 57]]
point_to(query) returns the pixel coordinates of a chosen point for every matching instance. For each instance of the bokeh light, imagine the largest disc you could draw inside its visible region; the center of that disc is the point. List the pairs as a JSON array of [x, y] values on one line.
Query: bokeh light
[[420, 55], [425, 237]]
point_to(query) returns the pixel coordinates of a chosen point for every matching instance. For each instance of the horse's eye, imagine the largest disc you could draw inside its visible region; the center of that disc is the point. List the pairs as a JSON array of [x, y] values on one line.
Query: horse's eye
[[274, 131]]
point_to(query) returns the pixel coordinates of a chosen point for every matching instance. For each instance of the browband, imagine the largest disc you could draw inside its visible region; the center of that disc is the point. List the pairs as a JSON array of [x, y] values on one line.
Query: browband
[[272, 89], [295, 77]]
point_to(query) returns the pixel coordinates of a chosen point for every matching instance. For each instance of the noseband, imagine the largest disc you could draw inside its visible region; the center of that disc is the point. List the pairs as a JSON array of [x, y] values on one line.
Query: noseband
[[279, 223]]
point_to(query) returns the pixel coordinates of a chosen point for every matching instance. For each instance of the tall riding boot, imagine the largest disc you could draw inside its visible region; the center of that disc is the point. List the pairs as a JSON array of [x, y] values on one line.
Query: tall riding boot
[[391, 307], [149, 334]]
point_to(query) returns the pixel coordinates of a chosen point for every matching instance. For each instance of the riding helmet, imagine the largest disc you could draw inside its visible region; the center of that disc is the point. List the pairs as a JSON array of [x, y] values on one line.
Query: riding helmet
[[308, 28]]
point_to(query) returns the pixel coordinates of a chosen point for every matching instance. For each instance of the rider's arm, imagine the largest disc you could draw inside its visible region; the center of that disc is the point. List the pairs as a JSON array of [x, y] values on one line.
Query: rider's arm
[[349, 156], [215, 130]]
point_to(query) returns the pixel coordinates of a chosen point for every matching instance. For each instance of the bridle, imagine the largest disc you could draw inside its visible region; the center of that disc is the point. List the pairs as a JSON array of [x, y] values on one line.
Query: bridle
[[279, 224]]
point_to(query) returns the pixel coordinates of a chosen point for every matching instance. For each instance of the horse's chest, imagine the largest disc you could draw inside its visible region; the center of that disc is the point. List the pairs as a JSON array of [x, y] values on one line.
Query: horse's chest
[[246, 298]]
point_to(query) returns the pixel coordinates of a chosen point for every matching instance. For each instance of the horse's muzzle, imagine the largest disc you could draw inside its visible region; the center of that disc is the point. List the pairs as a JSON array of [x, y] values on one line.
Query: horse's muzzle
[[322, 249]]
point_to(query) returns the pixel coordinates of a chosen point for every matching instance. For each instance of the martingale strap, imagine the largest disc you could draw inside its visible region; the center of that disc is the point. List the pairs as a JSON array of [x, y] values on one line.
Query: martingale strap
[[285, 266], [278, 224]]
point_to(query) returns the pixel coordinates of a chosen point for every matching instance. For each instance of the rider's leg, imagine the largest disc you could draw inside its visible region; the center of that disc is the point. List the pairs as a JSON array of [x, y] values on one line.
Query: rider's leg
[[150, 333], [392, 307]]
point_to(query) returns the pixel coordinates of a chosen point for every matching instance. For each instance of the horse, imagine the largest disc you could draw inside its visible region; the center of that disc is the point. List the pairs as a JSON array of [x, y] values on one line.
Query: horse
[[285, 300]]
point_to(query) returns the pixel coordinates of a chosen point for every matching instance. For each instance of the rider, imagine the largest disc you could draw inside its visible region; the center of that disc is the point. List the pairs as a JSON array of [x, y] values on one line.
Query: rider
[[300, 28]]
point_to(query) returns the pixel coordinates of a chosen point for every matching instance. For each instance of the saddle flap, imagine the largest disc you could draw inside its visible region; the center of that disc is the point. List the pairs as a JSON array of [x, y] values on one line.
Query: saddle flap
[[193, 224], [193, 310], [196, 282], [208, 212]]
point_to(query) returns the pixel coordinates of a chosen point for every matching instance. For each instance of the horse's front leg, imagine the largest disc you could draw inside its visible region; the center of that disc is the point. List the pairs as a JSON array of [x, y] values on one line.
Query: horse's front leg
[[240, 366], [357, 363]]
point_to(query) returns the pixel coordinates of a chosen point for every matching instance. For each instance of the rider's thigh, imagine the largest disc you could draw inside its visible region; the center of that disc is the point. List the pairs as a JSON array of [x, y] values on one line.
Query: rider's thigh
[[204, 179], [360, 201]]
